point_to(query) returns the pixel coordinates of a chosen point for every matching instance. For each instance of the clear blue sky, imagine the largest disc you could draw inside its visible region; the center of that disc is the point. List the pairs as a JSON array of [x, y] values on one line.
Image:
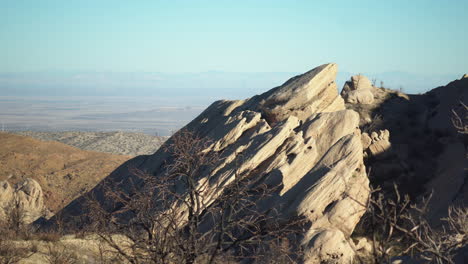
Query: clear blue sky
[[414, 36]]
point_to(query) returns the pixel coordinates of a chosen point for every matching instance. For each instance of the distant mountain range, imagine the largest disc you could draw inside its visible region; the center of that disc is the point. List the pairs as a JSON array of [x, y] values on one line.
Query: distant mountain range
[[212, 85]]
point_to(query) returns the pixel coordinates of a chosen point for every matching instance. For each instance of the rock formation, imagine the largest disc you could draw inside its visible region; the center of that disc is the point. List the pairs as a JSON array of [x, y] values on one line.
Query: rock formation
[[377, 144], [411, 140], [298, 136], [358, 90], [27, 196]]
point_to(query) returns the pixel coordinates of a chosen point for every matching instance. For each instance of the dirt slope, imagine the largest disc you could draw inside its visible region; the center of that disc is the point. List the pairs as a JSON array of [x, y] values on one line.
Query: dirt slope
[[64, 172]]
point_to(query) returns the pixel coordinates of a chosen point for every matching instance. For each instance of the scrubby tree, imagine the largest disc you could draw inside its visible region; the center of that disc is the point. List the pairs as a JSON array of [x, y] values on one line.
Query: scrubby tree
[[398, 227], [171, 219]]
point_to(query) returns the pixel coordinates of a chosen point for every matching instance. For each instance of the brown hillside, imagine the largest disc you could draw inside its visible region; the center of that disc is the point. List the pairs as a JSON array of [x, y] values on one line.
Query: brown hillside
[[64, 172]]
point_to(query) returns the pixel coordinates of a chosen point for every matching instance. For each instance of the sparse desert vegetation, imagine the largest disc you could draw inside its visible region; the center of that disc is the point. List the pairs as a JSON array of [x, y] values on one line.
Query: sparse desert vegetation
[[306, 179], [63, 172], [118, 143], [233, 132]]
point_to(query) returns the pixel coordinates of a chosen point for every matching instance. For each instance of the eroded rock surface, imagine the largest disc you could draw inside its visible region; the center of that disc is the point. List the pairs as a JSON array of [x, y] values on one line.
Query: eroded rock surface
[[26, 196], [377, 144], [358, 90], [299, 136]]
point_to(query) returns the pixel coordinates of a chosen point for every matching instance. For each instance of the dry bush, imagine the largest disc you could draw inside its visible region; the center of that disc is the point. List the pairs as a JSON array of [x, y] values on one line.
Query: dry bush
[[49, 236], [10, 253], [14, 222], [171, 218], [106, 255], [397, 228], [13, 228], [57, 253]]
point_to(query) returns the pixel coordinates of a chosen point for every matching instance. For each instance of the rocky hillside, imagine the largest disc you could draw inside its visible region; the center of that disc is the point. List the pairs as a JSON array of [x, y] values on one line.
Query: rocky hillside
[[120, 143], [315, 153], [298, 137], [61, 171], [411, 140]]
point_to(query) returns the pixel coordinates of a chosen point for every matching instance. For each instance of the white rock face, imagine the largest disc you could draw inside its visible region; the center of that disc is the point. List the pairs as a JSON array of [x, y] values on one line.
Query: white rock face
[[27, 195], [298, 96], [298, 135], [357, 82], [379, 144], [7, 194], [366, 140], [358, 90], [329, 246]]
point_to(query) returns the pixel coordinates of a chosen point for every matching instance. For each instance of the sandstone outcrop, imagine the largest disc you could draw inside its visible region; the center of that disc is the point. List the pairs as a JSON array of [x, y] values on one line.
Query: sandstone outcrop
[[411, 141], [377, 144], [27, 196], [358, 90], [298, 136]]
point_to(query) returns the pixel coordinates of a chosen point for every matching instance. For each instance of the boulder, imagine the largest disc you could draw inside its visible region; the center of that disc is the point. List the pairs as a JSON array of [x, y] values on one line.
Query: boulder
[[298, 136], [357, 82], [358, 90], [31, 198], [359, 97], [464, 76], [364, 245], [329, 246], [378, 144], [27, 195]]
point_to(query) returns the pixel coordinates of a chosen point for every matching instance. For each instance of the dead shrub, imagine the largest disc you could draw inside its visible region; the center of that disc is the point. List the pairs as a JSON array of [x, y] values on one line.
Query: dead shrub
[[11, 253], [397, 227], [180, 217], [57, 253]]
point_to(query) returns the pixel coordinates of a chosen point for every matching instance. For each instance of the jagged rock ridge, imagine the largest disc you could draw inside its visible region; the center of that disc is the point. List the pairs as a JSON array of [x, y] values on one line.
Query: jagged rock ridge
[[411, 140], [298, 135]]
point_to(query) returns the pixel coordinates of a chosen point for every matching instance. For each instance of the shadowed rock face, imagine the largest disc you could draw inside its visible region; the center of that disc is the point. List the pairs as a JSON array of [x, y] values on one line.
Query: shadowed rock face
[[298, 135], [411, 140]]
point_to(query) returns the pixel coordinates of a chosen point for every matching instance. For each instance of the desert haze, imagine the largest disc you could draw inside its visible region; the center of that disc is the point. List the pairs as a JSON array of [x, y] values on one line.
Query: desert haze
[[153, 115]]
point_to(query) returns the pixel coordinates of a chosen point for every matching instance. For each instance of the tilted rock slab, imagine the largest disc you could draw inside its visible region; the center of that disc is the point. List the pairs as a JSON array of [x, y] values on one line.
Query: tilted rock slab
[[298, 135], [27, 196]]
